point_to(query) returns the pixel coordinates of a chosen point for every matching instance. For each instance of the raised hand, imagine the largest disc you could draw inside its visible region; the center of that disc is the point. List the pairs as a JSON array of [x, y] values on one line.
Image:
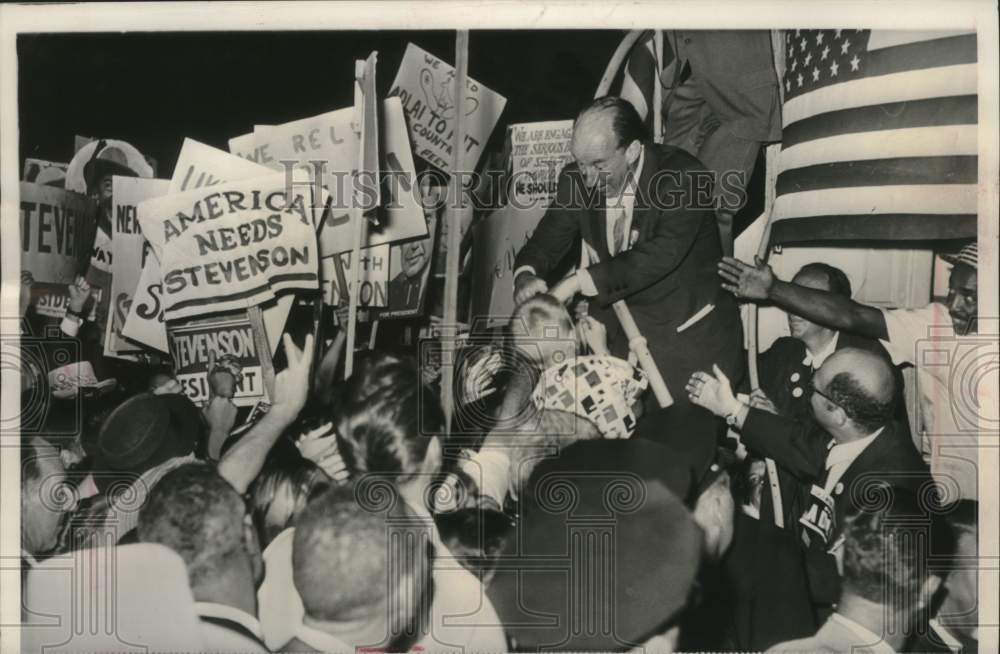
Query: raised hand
[[712, 391], [320, 446], [79, 293], [746, 281], [527, 286], [291, 385]]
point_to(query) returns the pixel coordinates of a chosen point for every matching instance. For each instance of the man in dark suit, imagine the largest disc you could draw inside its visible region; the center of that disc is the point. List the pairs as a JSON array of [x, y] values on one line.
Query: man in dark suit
[[649, 235], [852, 454]]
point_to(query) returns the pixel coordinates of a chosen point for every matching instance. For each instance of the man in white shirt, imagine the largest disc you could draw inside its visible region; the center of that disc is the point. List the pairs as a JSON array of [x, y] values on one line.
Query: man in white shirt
[[939, 340], [195, 512]]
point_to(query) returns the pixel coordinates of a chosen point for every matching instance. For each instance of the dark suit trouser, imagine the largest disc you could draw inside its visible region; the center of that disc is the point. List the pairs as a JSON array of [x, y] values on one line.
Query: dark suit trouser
[[692, 126]]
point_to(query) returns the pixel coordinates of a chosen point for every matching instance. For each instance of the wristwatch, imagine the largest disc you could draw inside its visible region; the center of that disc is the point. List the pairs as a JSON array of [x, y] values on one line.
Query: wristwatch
[[733, 417]]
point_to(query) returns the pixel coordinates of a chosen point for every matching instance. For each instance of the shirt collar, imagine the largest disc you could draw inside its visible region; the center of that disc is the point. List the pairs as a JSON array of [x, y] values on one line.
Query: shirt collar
[[868, 638], [816, 360], [231, 613], [847, 452]]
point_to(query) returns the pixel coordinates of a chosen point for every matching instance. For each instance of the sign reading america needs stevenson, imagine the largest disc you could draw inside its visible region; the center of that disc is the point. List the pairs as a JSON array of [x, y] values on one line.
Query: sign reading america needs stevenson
[[231, 246]]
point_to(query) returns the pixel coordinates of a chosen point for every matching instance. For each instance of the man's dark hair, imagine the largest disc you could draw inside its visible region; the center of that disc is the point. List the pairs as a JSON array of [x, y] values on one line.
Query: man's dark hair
[[867, 411], [625, 121], [385, 419], [195, 512], [353, 560], [836, 279], [888, 549], [281, 491]]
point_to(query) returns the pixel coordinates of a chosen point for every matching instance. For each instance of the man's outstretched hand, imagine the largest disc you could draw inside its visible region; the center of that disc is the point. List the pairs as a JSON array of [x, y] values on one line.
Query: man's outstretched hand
[[527, 286], [746, 281], [712, 391]]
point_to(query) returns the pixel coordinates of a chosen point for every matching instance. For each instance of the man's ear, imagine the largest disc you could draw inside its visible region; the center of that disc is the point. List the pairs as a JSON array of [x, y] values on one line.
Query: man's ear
[[838, 414], [633, 151]]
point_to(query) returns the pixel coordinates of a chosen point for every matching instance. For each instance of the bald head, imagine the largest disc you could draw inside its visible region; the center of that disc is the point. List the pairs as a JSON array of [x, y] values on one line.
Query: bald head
[[859, 383], [871, 372], [607, 143]]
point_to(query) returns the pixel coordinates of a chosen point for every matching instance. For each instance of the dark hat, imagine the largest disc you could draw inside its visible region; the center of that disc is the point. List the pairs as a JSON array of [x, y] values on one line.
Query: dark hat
[[145, 431], [605, 553], [106, 160]]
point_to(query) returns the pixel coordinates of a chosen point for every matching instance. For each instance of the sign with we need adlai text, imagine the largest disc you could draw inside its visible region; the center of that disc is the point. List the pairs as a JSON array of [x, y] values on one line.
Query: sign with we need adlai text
[[233, 245], [425, 85]]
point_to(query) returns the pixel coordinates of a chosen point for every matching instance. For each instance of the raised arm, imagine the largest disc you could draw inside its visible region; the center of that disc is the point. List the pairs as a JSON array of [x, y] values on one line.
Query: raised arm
[[555, 233], [241, 464], [835, 311]]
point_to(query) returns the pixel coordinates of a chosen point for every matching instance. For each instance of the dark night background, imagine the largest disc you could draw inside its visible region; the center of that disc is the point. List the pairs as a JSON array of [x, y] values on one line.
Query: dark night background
[[154, 89]]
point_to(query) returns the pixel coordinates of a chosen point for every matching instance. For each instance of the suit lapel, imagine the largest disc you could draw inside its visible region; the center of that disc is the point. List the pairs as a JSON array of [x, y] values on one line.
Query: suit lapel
[[642, 209], [598, 233], [869, 459]]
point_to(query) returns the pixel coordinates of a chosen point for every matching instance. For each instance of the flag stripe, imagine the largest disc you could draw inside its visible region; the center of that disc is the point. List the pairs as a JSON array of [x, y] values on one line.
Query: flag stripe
[[901, 87], [880, 172], [956, 110], [640, 75], [911, 142], [882, 227], [872, 200], [924, 55], [880, 137], [888, 38]]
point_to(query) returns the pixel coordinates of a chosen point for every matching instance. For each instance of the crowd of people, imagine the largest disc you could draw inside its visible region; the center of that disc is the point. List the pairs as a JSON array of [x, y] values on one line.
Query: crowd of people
[[566, 509]]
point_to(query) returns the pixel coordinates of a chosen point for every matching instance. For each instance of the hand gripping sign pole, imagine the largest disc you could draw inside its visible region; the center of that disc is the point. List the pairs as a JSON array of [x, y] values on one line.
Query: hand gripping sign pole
[[636, 341], [454, 213]]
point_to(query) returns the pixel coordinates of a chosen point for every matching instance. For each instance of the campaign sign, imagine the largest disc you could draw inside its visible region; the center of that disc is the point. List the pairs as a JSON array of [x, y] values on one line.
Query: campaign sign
[[231, 246], [425, 86], [192, 341]]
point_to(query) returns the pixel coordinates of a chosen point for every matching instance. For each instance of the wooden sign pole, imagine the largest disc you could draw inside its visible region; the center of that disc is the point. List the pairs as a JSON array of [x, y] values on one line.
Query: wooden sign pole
[[256, 316], [454, 213], [360, 228]]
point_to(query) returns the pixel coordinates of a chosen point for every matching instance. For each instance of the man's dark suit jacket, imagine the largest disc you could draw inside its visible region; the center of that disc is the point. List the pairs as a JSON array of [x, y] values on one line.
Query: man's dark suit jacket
[[785, 589], [667, 276], [778, 365]]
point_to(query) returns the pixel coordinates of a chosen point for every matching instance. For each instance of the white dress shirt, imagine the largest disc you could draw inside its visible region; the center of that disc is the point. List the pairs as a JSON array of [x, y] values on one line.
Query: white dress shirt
[[840, 457], [613, 206], [816, 360]]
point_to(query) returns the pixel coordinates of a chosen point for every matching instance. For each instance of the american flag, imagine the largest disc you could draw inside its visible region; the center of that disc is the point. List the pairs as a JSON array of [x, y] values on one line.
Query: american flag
[[879, 136], [640, 77]]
